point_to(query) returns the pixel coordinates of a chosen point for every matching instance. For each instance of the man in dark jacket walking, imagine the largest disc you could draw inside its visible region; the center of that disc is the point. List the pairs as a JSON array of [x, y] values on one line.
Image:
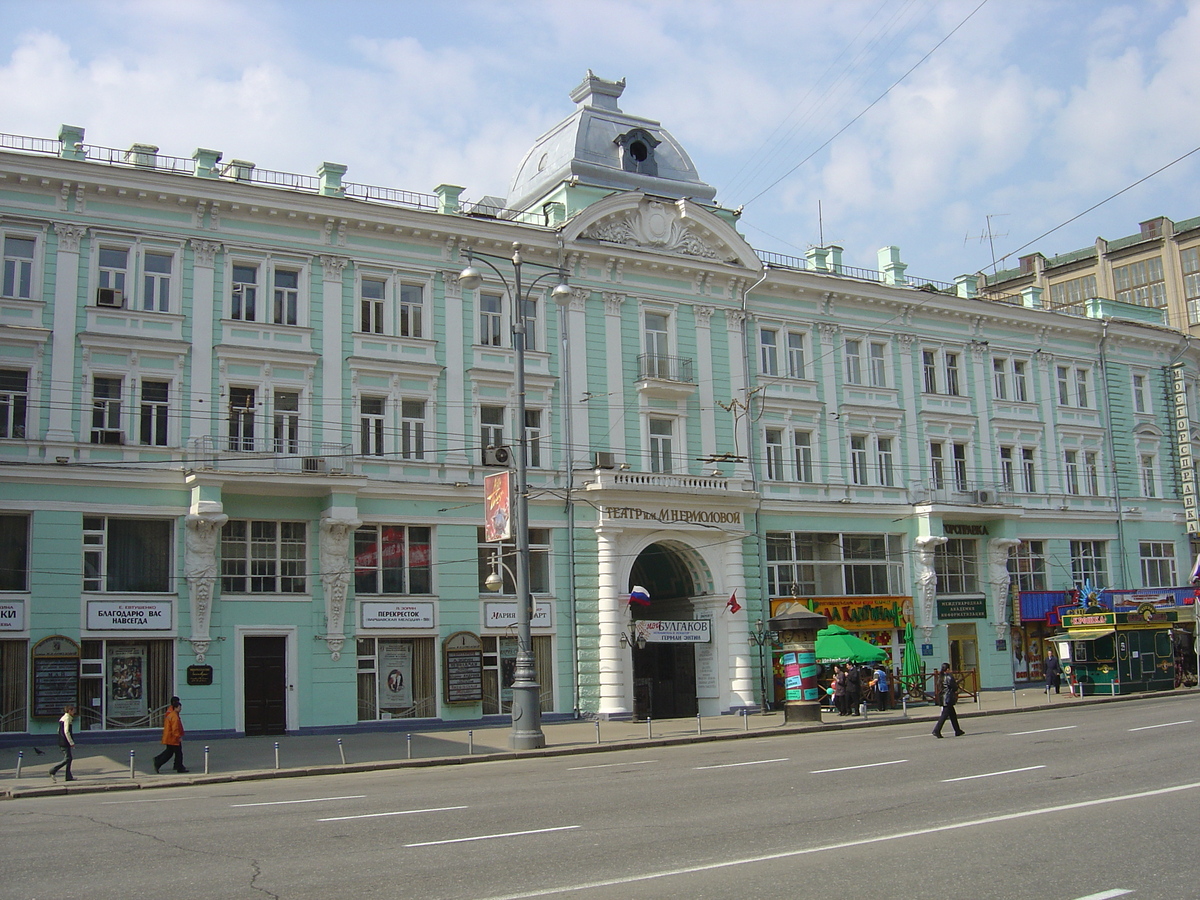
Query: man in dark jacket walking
[[947, 696]]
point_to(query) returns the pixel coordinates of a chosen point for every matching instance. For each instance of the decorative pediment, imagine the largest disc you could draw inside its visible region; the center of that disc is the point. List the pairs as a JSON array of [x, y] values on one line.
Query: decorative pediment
[[676, 227]]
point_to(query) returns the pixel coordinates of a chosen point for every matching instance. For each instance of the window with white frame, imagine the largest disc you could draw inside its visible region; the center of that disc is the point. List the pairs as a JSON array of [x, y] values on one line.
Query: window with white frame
[[156, 281], [884, 461], [1073, 386], [371, 412], [1148, 463], [803, 564], [1071, 465], [14, 402], [286, 425], [1007, 469], [1141, 394], [959, 453], [372, 294], [412, 429], [491, 426], [1082, 377], [1000, 386], [1072, 292], [940, 372], [106, 410], [656, 338], [264, 557], [412, 310], [1091, 473], [937, 464], [854, 362], [242, 403], [929, 372], [392, 559], [243, 299], [114, 268], [286, 307], [154, 414], [1027, 566], [18, 267], [662, 434], [1141, 283], [499, 558], [858, 459], [956, 563], [491, 319], [529, 317], [768, 351], [796, 356], [533, 438], [1028, 471], [127, 555], [1089, 562], [953, 386], [1189, 261], [773, 438], [1020, 382], [1158, 563], [802, 447], [877, 359]]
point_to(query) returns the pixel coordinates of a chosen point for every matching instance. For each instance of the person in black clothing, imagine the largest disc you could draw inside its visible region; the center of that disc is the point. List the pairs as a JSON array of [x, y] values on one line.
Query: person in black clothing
[[853, 690], [66, 743], [1053, 674], [947, 696]]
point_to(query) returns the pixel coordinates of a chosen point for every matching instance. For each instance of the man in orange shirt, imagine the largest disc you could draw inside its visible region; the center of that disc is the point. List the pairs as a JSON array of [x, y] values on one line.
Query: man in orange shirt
[[172, 738]]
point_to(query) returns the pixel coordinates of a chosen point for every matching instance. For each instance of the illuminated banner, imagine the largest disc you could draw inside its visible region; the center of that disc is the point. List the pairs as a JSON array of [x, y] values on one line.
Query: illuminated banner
[[497, 509], [1183, 447]]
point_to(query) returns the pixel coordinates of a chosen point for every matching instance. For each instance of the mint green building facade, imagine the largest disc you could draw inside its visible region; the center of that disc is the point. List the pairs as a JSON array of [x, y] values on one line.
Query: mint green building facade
[[247, 417]]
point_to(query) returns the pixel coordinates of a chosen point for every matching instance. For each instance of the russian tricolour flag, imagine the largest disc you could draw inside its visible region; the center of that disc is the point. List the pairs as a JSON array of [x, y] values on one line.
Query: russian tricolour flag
[[639, 595]]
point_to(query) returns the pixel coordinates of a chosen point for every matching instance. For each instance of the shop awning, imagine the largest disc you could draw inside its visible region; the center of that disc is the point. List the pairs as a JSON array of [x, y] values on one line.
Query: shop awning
[[1083, 634]]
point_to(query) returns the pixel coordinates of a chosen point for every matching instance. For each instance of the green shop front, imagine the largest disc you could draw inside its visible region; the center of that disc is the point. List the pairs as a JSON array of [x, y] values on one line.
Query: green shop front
[[1110, 653]]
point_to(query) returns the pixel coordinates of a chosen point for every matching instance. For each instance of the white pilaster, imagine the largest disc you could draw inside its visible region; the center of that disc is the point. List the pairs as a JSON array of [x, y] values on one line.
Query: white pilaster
[[332, 404], [62, 342], [737, 632], [200, 418], [616, 662]]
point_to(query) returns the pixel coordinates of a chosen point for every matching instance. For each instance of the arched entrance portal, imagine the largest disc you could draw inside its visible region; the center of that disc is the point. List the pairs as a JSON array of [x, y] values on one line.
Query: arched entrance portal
[[664, 675]]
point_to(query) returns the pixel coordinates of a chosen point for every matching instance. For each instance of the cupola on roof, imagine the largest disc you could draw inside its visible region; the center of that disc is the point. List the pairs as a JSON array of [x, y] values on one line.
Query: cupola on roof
[[600, 146]]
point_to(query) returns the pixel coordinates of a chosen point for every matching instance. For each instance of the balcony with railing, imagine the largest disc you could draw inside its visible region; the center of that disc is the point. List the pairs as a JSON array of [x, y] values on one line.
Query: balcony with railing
[[665, 377]]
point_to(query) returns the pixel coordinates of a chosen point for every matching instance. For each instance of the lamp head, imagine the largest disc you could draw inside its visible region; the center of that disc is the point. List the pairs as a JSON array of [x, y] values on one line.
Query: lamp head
[[493, 582], [561, 293], [470, 278]]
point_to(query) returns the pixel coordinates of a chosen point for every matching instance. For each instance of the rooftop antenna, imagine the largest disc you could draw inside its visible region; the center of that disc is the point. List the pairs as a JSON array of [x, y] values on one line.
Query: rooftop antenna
[[991, 237], [820, 225]]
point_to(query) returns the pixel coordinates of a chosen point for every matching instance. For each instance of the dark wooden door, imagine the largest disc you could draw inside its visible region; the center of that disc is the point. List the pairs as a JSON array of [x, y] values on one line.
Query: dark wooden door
[[266, 685]]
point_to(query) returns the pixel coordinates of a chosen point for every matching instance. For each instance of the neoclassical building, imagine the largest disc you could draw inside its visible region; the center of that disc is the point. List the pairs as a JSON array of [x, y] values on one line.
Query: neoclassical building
[[246, 417]]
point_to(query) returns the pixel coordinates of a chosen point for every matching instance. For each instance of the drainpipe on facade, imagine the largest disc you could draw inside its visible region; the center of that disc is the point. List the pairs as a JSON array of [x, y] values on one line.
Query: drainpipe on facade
[[569, 458], [1112, 457]]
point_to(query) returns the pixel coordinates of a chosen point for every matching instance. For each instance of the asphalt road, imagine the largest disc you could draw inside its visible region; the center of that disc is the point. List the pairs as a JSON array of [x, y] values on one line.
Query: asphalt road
[[1095, 803]]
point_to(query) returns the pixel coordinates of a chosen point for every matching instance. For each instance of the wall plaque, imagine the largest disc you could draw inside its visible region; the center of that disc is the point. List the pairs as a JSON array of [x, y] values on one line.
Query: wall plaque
[[462, 665], [55, 676]]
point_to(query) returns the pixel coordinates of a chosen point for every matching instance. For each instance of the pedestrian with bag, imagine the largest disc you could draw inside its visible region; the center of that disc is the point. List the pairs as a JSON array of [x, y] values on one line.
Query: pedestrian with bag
[[839, 690], [66, 743], [947, 697], [172, 738], [883, 691]]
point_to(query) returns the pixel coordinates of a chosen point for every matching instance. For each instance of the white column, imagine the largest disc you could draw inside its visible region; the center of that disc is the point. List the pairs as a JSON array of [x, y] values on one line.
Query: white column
[[577, 347], [708, 405], [200, 418], [616, 383], [737, 632], [616, 661], [62, 342], [736, 320], [457, 398], [333, 412]]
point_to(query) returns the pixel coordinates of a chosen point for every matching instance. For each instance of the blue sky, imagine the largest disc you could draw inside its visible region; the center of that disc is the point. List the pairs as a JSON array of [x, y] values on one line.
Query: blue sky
[[1028, 112]]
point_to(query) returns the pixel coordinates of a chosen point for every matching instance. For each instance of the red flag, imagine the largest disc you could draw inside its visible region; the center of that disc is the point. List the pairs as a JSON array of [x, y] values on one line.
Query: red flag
[[733, 605]]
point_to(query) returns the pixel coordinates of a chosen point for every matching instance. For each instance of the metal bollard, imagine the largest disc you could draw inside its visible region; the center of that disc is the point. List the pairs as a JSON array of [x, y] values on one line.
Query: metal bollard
[[205, 759], [20, 756], [131, 774], [597, 731], [409, 746], [699, 725], [341, 751], [1014, 698], [649, 729], [862, 708], [470, 743], [745, 721], [277, 754], [904, 705]]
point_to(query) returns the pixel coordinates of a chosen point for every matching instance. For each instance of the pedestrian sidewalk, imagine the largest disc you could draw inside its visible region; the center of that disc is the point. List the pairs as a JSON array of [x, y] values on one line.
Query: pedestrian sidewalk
[[130, 766]]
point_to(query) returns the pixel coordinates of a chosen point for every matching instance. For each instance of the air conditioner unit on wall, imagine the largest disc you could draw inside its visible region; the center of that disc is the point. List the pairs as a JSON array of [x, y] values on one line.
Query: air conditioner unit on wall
[[499, 457], [606, 460], [110, 297], [312, 465], [985, 496]]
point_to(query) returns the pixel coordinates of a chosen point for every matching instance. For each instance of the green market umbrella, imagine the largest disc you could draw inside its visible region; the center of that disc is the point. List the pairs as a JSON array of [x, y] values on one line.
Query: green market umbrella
[[837, 645], [910, 663]]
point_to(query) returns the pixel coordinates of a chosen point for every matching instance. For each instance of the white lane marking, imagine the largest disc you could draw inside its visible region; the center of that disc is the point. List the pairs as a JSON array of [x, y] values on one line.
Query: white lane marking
[[153, 800], [403, 812], [286, 802], [1106, 895], [1043, 730], [488, 837], [1163, 725], [642, 762], [990, 774], [808, 851], [893, 762], [757, 762]]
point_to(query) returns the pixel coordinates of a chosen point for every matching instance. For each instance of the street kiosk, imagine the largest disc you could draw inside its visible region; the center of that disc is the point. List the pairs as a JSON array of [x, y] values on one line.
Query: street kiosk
[[1110, 653]]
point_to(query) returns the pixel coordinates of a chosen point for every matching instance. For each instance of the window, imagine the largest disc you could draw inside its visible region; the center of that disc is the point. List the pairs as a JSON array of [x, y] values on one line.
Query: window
[[952, 384], [658, 348], [491, 315], [533, 438], [14, 553], [774, 443], [392, 559], [244, 300], [114, 265], [154, 413], [1149, 468], [106, 411], [1063, 375], [408, 686], [937, 465], [858, 459], [370, 421], [412, 429], [1189, 261], [1071, 462], [412, 307], [878, 365], [1158, 563], [1020, 387], [1000, 378], [796, 355], [1075, 291], [241, 418], [539, 562], [884, 461], [491, 426], [372, 303], [1141, 397], [1091, 473], [1029, 481], [1081, 388], [263, 557], [127, 555], [18, 267], [768, 349], [661, 451], [929, 371], [1089, 562], [802, 443], [529, 313], [854, 362], [1027, 566], [1141, 283], [156, 281], [14, 402], [960, 466], [1076, 379], [801, 564], [287, 297], [956, 563], [1006, 468], [287, 422]]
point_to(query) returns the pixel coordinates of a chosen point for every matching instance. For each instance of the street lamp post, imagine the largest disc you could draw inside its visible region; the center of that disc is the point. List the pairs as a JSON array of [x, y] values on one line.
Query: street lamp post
[[526, 693], [762, 637]]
